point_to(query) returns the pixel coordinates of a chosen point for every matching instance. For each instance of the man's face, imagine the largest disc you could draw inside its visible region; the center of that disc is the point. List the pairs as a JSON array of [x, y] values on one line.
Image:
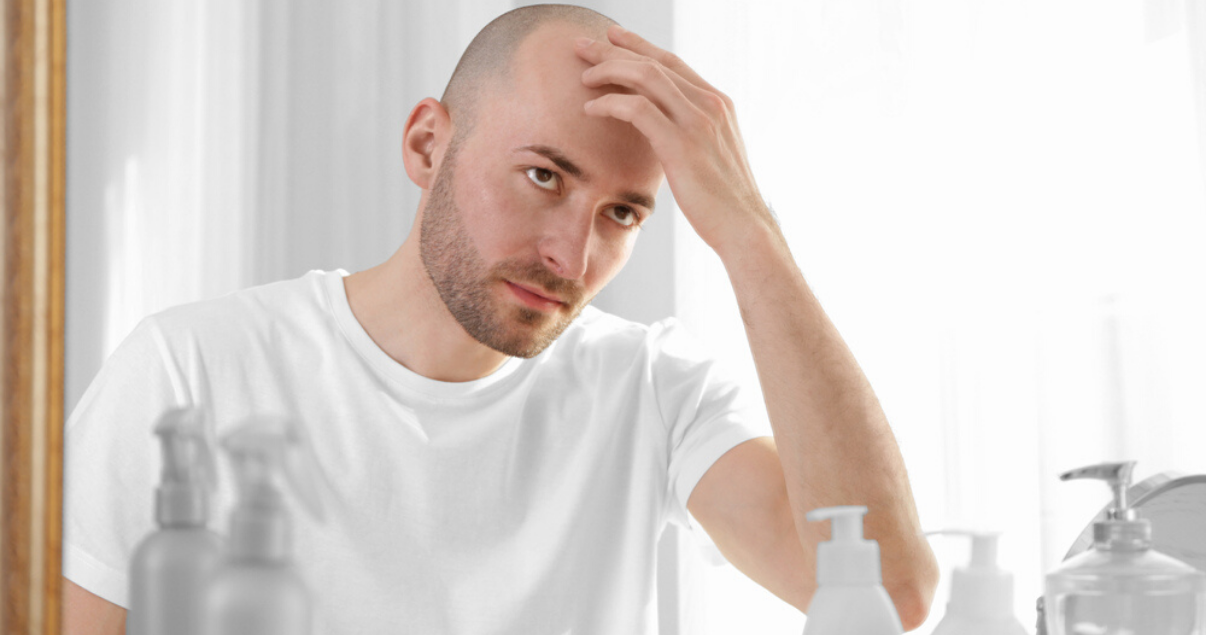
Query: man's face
[[497, 214]]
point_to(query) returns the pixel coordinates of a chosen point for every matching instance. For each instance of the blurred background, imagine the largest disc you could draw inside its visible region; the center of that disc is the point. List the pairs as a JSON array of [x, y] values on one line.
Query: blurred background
[[1000, 203]]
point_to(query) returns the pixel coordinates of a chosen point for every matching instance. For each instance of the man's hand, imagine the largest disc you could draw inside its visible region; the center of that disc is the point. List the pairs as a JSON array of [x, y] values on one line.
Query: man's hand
[[691, 126]]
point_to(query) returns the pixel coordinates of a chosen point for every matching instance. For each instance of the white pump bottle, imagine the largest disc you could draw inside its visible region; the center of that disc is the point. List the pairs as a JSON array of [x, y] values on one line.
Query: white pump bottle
[[169, 567], [257, 590], [981, 601], [850, 598]]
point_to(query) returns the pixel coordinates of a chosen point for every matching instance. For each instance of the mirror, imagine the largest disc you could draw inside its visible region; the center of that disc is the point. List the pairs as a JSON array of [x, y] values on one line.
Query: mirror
[[38, 380]]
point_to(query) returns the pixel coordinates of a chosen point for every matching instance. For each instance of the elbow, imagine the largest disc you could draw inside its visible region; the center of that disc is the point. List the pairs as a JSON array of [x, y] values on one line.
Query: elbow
[[913, 606], [914, 596]]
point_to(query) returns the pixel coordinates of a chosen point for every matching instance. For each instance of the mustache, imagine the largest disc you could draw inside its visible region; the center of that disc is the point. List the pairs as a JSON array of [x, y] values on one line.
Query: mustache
[[545, 282]]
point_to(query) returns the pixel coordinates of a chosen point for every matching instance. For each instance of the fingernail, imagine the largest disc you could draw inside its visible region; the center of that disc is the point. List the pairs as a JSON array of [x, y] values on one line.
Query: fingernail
[[584, 42]]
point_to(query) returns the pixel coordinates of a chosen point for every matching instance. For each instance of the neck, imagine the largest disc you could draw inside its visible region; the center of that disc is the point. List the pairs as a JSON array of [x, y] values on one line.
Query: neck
[[402, 312]]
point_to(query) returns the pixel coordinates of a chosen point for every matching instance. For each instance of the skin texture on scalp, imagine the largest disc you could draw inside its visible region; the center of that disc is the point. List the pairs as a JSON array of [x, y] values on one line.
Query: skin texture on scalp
[[487, 65]]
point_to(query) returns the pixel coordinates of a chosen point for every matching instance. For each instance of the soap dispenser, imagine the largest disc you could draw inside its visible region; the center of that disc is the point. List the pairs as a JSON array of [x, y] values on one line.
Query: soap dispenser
[[981, 600], [169, 567], [850, 597], [1121, 586], [257, 590]]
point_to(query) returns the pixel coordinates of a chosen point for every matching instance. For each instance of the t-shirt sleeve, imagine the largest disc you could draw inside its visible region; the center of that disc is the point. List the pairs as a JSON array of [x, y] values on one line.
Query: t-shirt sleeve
[[706, 410], [111, 462]]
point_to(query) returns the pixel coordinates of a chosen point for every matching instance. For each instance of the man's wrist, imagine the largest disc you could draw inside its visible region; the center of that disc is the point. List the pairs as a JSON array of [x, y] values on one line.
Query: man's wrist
[[756, 240]]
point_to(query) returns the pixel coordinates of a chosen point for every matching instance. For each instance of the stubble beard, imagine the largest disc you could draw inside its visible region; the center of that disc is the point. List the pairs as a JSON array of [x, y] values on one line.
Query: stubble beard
[[460, 277]]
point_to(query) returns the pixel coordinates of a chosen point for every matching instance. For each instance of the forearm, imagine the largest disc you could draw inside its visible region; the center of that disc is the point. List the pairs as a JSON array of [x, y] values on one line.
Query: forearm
[[834, 442]]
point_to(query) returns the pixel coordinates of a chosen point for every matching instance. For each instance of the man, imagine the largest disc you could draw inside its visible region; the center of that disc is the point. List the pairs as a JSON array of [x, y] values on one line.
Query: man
[[504, 456]]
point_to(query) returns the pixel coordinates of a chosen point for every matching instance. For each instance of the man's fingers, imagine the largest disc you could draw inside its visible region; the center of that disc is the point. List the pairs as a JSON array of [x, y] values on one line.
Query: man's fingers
[[642, 113], [647, 78], [637, 44], [601, 53]]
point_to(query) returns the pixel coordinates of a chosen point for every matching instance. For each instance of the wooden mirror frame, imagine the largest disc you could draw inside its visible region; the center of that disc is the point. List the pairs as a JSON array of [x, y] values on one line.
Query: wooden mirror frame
[[32, 249]]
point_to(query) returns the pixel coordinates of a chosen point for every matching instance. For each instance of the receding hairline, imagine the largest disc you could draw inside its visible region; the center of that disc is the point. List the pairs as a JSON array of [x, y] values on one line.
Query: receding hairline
[[487, 63]]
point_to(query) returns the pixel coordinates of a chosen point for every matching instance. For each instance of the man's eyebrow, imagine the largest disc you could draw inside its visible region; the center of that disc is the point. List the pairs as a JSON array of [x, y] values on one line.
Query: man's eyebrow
[[572, 169]]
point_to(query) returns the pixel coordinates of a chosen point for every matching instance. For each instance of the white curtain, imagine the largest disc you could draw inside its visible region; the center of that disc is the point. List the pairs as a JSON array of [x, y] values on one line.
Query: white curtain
[[220, 144], [1001, 205]]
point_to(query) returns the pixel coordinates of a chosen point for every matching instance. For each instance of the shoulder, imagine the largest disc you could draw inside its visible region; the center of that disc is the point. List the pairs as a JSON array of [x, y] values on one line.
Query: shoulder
[[271, 309]]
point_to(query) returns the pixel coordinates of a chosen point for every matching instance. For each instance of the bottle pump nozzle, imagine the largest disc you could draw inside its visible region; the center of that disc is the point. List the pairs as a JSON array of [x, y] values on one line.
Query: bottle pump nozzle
[[1122, 528], [261, 449], [189, 470], [1117, 476], [846, 559]]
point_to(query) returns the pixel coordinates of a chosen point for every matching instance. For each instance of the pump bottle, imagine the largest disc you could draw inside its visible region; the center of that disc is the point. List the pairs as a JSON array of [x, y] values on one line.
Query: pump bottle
[[257, 590], [850, 598], [169, 566], [981, 601], [1121, 585]]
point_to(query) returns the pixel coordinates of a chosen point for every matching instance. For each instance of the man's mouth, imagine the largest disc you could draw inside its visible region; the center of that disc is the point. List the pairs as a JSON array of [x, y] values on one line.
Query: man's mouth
[[532, 297], [538, 292]]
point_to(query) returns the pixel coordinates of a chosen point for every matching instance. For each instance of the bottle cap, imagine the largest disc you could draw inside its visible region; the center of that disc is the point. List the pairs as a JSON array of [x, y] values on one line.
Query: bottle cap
[[846, 559], [1122, 530], [189, 471], [982, 590], [263, 449]]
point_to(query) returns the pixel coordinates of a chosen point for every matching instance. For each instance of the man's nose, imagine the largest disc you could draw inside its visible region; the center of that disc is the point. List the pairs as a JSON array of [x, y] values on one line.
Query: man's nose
[[566, 241]]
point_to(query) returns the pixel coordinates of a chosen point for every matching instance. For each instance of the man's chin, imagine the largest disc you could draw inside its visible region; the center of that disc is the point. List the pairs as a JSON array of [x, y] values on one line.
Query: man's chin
[[532, 334]]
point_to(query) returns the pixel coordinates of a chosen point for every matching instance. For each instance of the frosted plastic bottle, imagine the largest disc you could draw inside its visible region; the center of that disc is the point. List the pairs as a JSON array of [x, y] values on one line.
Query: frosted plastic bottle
[[981, 601], [257, 590], [169, 566], [1121, 586], [850, 598]]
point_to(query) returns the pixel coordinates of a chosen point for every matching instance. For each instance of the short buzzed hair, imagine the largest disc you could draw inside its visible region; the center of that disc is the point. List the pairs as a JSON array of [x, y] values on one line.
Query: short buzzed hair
[[486, 63]]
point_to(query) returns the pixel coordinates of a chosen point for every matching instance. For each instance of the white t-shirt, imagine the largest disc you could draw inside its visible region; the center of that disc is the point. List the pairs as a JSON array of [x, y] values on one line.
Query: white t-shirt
[[526, 502]]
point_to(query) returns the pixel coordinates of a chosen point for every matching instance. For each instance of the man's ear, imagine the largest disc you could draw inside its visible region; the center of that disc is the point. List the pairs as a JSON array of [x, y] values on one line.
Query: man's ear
[[424, 141]]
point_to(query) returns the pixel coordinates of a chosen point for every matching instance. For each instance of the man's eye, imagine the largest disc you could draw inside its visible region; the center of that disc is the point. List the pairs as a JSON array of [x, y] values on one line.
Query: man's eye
[[628, 216], [541, 172]]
